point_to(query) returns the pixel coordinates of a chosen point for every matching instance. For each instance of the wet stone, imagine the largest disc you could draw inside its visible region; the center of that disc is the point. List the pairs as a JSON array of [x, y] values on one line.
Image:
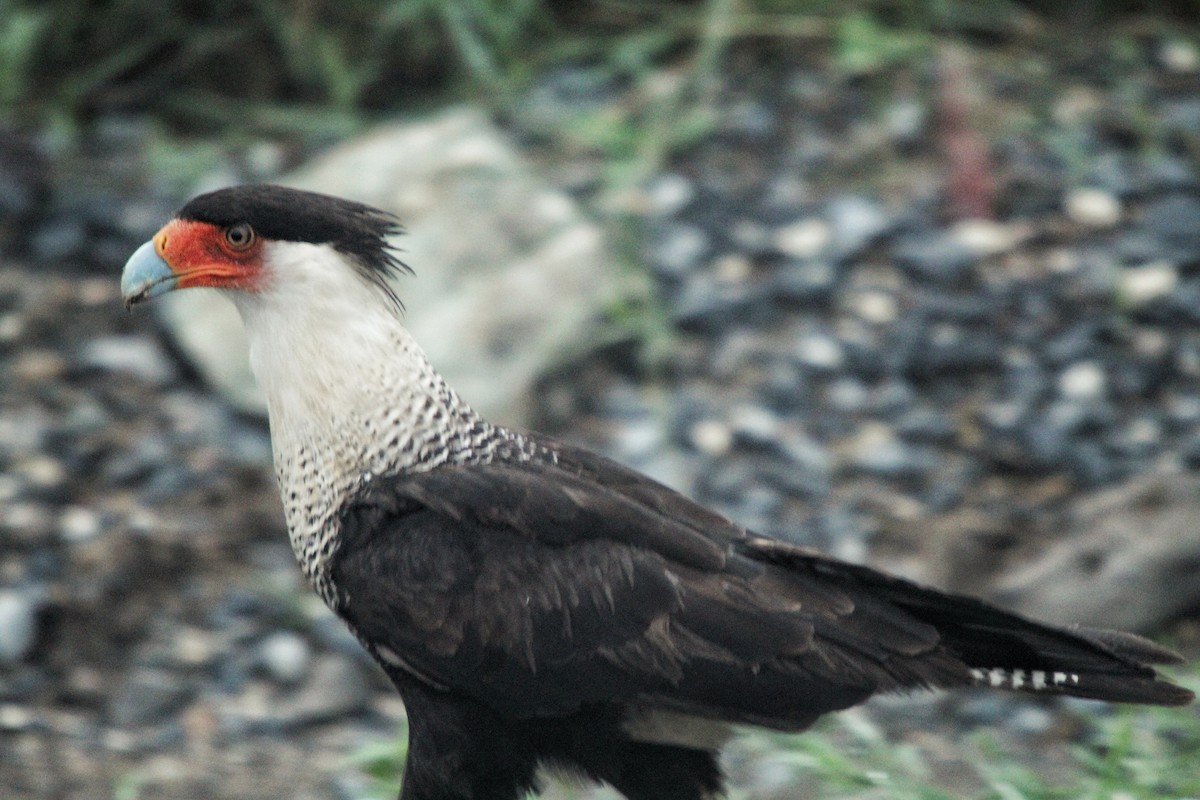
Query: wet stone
[[857, 222], [677, 249], [892, 397], [669, 194], [935, 256], [926, 425], [847, 395], [58, 240], [949, 350], [1175, 221], [146, 457], [148, 695], [805, 281], [707, 305], [18, 625], [1046, 444], [1140, 437], [336, 687], [1095, 467], [820, 351], [135, 355]]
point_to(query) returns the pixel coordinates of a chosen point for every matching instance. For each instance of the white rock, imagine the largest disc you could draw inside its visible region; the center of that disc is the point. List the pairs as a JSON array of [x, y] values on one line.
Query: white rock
[[1147, 283], [136, 355], [1093, 208], [732, 268], [806, 238], [711, 436], [986, 237], [1082, 381], [286, 656], [11, 327], [820, 351], [755, 422], [875, 306], [78, 523], [669, 194], [1179, 55], [194, 647], [14, 717]]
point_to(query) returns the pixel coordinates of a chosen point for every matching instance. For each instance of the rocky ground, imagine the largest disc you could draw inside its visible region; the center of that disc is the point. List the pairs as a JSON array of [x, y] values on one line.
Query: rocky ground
[[926, 319]]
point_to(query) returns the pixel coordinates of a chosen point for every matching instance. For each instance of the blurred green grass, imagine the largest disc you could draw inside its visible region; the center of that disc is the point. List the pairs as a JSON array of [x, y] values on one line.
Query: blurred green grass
[[204, 65], [1127, 753]]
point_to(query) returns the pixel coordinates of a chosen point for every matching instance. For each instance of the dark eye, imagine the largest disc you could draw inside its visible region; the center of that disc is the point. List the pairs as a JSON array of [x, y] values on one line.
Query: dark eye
[[239, 236]]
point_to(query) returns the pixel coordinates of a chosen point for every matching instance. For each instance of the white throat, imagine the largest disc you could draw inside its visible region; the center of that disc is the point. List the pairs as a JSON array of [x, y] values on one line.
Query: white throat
[[350, 395]]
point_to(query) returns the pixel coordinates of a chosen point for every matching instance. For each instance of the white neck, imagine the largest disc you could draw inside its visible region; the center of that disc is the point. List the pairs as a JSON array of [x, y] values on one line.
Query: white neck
[[349, 393]]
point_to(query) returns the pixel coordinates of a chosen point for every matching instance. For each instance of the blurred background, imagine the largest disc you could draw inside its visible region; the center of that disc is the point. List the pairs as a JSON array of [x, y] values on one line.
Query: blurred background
[[917, 283]]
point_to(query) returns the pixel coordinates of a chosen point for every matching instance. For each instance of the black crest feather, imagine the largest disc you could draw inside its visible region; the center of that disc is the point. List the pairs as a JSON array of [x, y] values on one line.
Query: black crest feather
[[292, 215]]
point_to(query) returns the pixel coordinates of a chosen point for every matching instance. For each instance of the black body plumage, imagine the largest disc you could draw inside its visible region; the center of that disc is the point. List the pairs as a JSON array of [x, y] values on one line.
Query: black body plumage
[[542, 601], [537, 604]]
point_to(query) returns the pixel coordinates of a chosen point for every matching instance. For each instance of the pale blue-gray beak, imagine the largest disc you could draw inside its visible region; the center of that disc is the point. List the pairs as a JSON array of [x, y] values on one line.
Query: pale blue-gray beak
[[146, 275]]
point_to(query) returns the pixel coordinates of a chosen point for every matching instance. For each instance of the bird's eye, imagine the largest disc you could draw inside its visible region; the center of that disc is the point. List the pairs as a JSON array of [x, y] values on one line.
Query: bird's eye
[[239, 236]]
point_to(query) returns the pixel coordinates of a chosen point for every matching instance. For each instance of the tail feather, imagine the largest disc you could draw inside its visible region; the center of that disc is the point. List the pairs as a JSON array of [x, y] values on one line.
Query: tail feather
[[1003, 650], [1128, 645], [1006, 651]]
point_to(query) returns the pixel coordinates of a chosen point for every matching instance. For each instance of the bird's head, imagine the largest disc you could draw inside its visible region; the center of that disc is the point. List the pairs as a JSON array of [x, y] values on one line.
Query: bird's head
[[264, 242]]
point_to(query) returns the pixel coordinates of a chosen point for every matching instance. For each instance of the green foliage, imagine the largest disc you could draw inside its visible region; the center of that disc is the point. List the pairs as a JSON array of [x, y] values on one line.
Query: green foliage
[[382, 763], [1132, 754], [129, 786], [20, 32], [345, 55], [864, 45]]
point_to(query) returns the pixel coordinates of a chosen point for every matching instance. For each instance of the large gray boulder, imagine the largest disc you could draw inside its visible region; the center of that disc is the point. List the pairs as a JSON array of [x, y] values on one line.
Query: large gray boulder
[[510, 277], [1127, 559]]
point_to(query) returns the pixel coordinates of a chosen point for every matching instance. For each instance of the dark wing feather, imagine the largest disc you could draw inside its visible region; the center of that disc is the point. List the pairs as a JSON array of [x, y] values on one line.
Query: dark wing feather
[[538, 587], [538, 591]]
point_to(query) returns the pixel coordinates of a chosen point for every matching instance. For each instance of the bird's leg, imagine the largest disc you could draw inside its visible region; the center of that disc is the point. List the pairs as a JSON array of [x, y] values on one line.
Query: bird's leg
[[460, 750]]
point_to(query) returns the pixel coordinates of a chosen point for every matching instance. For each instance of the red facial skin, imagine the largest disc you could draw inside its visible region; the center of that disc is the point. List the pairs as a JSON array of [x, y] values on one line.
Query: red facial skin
[[202, 254]]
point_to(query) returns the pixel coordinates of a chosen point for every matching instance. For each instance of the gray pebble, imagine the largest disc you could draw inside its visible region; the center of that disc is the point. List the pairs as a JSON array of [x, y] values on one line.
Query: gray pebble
[[820, 351], [1175, 220], [135, 355], [904, 121], [148, 695], [18, 625], [934, 255], [857, 222], [678, 249], [669, 194], [335, 688]]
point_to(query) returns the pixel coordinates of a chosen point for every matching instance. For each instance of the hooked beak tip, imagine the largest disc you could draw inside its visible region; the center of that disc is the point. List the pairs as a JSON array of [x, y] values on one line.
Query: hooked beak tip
[[146, 275]]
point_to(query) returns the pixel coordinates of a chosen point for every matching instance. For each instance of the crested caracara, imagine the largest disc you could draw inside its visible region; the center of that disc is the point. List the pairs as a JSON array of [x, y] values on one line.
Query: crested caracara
[[535, 603]]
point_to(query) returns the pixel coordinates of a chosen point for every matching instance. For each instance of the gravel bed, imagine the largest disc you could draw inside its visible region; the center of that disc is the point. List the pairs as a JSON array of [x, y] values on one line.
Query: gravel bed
[[852, 354]]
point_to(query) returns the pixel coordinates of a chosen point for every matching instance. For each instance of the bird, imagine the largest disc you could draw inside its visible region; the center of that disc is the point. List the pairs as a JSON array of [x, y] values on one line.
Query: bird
[[537, 605]]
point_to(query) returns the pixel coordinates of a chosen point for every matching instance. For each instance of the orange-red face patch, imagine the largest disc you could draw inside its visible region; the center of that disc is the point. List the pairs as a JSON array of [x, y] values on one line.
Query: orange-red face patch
[[202, 254]]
